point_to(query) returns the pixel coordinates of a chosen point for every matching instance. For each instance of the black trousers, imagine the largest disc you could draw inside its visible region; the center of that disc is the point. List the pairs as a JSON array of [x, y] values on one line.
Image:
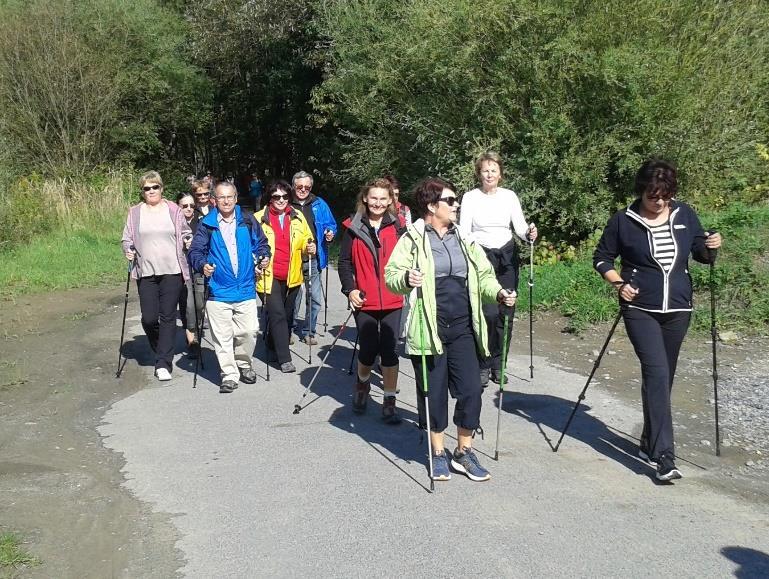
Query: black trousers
[[191, 299], [280, 309], [455, 371], [657, 340], [505, 263], [158, 300], [378, 335]]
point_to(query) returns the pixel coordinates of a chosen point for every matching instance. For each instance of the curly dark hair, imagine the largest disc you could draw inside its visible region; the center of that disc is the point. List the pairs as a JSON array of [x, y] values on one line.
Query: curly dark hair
[[429, 191], [657, 176], [276, 185]]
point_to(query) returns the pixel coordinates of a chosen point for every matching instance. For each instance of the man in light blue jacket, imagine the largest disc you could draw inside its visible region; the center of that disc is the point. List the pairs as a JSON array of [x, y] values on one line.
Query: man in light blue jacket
[[323, 225]]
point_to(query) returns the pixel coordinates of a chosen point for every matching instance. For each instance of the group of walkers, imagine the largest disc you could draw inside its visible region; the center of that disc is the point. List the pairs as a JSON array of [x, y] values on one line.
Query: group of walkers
[[443, 280]]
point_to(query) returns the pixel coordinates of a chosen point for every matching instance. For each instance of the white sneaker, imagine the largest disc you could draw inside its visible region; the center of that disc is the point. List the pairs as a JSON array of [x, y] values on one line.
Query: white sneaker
[[162, 374]]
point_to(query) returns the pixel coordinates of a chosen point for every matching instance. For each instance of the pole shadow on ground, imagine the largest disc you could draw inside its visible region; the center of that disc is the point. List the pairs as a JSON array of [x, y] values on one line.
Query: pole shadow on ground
[[553, 412], [397, 444]]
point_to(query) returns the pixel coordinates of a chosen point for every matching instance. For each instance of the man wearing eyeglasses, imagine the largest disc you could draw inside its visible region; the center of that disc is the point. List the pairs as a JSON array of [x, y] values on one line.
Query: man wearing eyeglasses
[[230, 249], [323, 225]]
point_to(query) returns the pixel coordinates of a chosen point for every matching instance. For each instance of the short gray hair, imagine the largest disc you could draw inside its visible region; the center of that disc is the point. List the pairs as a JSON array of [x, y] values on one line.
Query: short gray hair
[[301, 175]]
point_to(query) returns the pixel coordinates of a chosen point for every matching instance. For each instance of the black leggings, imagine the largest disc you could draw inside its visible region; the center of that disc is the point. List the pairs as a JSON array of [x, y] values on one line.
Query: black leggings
[[378, 335], [657, 340], [505, 263], [280, 309], [455, 371], [158, 300]]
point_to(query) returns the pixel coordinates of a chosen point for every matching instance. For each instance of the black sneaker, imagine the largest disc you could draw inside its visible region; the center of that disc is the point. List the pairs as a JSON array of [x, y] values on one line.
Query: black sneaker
[[643, 454], [247, 375], [496, 377], [666, 469], [485, 377], [227, 387]]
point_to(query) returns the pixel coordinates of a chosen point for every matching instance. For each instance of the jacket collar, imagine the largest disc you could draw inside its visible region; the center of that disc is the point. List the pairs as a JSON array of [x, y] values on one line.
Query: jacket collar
[[633, 211]]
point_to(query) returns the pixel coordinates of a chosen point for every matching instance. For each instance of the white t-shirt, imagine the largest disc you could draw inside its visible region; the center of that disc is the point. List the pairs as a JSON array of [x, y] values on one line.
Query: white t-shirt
[[487, 218]]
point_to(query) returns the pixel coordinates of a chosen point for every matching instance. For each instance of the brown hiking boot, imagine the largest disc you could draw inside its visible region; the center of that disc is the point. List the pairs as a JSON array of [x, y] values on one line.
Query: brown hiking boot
[[389, 413], [360, 396]]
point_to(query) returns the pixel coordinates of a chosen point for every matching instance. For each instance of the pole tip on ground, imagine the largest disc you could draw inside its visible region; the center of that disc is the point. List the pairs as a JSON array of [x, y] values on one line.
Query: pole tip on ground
[[297, 409]]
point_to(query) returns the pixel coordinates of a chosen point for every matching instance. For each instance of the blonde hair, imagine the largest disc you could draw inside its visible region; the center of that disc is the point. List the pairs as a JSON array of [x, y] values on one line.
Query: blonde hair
[[378, 183], [150, 177], [491, 156]]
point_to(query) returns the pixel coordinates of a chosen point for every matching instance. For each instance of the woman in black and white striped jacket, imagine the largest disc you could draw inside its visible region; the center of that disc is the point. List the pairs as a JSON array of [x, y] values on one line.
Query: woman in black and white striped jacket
[[654, 238]]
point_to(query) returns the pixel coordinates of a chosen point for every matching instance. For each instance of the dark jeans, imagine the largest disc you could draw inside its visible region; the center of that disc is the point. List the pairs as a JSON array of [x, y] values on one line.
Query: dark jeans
[[378, 335], [505, 263], [657, 340], [455, 371], [158, 300], [280, 309]]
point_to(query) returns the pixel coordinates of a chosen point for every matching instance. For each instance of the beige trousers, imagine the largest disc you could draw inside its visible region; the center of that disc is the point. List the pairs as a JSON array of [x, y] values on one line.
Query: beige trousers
[[233, 333]]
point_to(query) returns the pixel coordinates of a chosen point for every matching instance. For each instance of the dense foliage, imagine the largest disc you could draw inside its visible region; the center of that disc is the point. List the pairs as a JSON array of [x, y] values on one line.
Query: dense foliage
[[573, 93]]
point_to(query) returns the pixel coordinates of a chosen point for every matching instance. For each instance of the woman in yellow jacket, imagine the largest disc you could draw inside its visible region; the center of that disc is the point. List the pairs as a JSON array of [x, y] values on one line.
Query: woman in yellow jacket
[[289, 236]]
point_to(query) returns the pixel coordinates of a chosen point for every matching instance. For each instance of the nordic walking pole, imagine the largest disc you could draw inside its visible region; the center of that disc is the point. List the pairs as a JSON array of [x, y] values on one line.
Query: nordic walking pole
[[199, 360], [125, 311], [531, 306], [352, 358], [298, 407], [308, 309], [713, 337], [595, 367], [195, 307], [425, 390], [325, 296], [503, 375]]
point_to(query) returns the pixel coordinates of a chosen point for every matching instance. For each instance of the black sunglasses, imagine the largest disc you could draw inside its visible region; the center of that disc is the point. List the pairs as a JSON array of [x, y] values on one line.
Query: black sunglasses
[[150, 187], [278, 196], [187, 205], [450, 201]]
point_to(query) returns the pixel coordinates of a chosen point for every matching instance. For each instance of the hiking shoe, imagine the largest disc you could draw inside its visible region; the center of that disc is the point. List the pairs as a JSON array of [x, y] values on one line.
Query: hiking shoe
[[247, 375], [496, 377], [666, 469], [227, 387], [308, 339], [162, 374], [485, 377], [360, 397], [287, 367], [643, 454], [441, 467], [467, 463], [389, 413]]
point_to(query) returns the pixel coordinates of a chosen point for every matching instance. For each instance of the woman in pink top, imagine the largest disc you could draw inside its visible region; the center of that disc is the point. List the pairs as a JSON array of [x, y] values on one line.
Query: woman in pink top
[[153, 241]]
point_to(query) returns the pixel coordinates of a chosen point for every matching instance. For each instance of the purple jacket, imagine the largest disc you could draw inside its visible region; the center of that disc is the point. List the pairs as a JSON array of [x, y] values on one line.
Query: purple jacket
[[131, 236]]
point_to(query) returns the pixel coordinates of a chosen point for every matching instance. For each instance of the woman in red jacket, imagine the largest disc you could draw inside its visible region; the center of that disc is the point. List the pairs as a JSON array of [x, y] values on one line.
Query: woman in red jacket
[[368, 241]]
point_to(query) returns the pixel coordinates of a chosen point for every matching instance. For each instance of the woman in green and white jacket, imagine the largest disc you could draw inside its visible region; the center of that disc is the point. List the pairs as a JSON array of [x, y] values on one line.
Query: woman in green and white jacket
[[456, 280]]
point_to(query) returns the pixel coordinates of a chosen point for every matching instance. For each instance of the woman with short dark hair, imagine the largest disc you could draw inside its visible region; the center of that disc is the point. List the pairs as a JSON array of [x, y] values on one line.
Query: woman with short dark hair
[[654, 237], [289, 237], [449, 328]]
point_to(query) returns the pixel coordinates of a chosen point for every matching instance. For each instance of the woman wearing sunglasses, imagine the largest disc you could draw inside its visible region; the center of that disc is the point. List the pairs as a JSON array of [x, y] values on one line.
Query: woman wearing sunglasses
[[653, 238], [153, 241], [289, 237], [488, 212], [448, 328], [369, 239], [190, 300]]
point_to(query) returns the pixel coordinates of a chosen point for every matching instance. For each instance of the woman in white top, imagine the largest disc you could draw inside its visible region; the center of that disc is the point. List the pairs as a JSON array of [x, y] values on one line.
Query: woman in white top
[[487, 214]]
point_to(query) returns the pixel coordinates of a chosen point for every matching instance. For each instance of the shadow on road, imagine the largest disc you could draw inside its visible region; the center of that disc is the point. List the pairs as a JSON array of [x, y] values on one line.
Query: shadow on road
[[752, 563]]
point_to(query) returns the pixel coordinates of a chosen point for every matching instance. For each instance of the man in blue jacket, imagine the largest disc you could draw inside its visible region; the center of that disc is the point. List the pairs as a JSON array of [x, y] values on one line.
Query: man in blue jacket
[[230, 249], [322, 223]]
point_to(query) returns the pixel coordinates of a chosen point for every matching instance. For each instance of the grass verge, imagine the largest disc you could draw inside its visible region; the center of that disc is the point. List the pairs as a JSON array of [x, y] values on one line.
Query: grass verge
[[12, 556]]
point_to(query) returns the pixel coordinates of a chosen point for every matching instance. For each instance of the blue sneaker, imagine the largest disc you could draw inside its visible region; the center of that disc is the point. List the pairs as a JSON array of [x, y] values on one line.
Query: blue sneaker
[[467, 463], [441, 467]]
